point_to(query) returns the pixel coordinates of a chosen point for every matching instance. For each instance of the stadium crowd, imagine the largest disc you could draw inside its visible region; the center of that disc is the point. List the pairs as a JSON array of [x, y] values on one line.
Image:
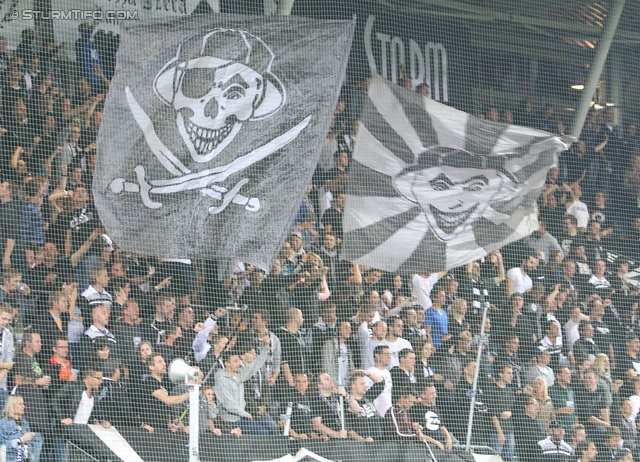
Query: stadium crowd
[[88, 330]]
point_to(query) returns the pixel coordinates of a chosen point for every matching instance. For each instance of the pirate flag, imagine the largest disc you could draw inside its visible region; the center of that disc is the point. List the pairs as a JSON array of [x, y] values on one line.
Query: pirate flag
[[432, 188], [212, 129]]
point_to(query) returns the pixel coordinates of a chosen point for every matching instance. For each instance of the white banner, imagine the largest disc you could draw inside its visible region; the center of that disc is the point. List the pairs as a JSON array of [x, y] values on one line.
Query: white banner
[[114, 441]]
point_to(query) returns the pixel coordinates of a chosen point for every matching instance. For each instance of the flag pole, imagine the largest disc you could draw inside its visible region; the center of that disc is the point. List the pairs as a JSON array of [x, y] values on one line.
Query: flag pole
[[476, 374]]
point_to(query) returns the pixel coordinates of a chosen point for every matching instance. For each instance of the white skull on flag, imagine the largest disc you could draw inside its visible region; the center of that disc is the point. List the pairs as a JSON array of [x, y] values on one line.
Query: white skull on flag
[[214, 95]]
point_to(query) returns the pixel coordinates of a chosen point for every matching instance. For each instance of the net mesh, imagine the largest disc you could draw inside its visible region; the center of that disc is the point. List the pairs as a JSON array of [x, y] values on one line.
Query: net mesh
[[525, 349]]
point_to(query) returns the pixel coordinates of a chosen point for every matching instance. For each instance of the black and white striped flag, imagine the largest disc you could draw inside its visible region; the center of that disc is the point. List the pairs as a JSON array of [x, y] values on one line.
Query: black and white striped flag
[[432, 188]]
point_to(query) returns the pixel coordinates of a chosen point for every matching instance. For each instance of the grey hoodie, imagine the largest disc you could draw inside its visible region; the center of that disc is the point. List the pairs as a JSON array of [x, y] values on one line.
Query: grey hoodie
[[230, 390]]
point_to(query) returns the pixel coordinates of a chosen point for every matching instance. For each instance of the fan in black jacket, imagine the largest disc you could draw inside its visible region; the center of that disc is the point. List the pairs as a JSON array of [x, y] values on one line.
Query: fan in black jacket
[[77, 405]]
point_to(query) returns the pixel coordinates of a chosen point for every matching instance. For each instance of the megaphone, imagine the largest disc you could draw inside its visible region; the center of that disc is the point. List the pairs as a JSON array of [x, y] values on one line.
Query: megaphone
[[180, 371]]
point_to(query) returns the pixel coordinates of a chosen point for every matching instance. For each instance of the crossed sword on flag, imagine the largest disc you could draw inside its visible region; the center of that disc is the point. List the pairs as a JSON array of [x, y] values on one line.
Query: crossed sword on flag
[[203, 181]]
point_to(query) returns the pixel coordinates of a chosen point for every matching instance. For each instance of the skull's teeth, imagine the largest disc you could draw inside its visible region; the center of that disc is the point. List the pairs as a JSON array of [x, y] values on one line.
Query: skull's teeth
[[204, 140]]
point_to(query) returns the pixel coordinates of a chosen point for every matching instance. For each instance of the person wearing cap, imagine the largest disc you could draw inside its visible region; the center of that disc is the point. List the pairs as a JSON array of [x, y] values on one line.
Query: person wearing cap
[[554, 447], [623, 455], [528, 428], [297, 245], [540, 368]]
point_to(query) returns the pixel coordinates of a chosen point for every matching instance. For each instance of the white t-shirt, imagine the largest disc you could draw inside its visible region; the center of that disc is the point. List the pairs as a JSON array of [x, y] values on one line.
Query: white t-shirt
[[395, 348], [599, 283], [571, 332], [382, 402], [422, 287], [83, 414], [581, 212], [521, 282]]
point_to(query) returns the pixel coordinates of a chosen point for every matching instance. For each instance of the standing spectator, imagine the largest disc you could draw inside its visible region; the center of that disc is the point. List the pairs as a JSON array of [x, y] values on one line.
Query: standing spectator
[[500, 399], [96, 294], [597, 279], [155, 330], [153, 399], [554, 447], [97, 329], [10, 210], [509, 355], [398, 424], [88, 58], [426, 413], [458, 323], [206, 343], [394, 339], [628, 364], [370, 335], [529, 428], [422, 285], [576, 207], [546, 413], [295, 346], [403, 375], [272, 366], [540, 368], [46, 276], [75, 407], [31, 382], [300, 409], [473, 289], [461, 403], [332, 217], [569, 236], [58, 366], [382, 358], [563, 399], [413, 327], [337, 358], [585, 347], [53, 323], [325, 408], [229, 391], [82, 236], [622, 420], [127, 330], [7, 349], [451, 363], [186, 322], [367, 424], [592, 409], [436, 320], [552, 342], [542, 241], [32, 225], [518, 279]]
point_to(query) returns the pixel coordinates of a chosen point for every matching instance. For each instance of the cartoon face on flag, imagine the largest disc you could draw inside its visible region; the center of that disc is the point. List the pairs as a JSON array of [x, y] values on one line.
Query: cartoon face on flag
[[451, 196], [212, 130], [432, 187]]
